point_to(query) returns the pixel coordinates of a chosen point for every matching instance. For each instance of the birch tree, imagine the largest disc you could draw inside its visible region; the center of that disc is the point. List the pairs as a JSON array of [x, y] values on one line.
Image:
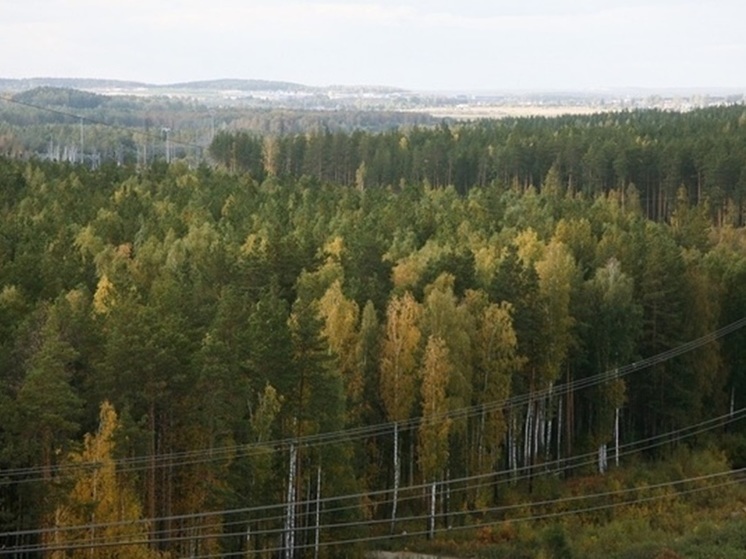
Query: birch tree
[[433, 432], [398, 372], [558, 277], [495, 347], [615, 322], [101, 503], [340, 316]]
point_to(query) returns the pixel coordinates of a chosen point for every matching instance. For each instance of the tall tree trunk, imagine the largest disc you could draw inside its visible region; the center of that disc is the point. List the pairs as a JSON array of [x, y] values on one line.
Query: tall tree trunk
[[306, 514], [510, 443], [527, 431], [616, 437], [570, 417], [513, 450], [289, 535], [151, 492], [538, 422], [165, 446], [411, 458], [559, 428], [732, 400], [433, 496], [446, 499], [317, 531], [397, 473], [480, 440], [540, 427]]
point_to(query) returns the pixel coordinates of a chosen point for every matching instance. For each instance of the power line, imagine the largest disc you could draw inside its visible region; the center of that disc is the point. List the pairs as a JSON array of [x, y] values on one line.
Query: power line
[[89, 120], [228, 453], [508, 476], [501, 509], [525, 472]]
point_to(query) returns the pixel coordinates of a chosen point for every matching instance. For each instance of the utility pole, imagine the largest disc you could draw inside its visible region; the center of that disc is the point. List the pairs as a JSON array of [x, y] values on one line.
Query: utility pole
[[82, 145], [168, 145]]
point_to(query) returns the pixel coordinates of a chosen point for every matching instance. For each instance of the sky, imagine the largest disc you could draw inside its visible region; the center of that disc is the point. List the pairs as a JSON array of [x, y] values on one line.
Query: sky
[[436, 45]]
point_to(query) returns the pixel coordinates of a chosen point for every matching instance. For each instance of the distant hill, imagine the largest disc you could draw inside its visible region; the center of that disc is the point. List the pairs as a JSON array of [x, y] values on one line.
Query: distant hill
[[238, 85], [102, 84], [70, 83], [206, 87], [48, 96]]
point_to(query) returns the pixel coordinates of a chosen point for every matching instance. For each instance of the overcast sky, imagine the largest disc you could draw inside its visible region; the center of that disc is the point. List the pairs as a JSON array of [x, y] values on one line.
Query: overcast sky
[[415, 44]]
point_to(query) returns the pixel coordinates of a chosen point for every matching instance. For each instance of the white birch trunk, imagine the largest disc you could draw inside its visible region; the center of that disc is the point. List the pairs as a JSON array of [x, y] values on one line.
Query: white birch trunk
[[433, 494], [540, 428], [514, 444], [480, 440], [510, 443], [317, 534], [616, 437], [397, 473], [559, 429], [537, 424], [548, 421], [527, 435], [732, 400], [447, 500], [411, 459], [289, 543]]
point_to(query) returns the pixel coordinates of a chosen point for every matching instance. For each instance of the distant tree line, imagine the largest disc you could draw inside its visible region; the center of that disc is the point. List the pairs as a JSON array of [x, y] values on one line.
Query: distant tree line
[[703, 151], [62, 124]]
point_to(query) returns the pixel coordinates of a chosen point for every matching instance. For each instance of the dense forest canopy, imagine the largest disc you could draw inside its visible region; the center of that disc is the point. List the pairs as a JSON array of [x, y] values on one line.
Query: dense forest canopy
[[336, 337], [703, 151]]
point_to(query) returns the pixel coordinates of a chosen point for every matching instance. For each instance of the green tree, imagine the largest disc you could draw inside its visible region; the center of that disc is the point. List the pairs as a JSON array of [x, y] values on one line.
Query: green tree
[[263, 488], [614, 323], [661, 274], [48, 406], [558, 275]]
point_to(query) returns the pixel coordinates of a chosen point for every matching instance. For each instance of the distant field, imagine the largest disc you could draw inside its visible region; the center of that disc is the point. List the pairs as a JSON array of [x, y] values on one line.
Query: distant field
[[474, 112]]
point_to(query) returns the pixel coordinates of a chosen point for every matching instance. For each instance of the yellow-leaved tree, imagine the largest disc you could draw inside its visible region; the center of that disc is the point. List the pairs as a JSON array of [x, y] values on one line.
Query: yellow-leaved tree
[[341, 316], [102, 517], [398, 371], [496, 361], [433, 431]]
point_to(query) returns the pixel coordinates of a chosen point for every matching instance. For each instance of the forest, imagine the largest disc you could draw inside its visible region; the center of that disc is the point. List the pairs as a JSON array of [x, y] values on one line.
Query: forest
[[76, 126], [518, 338]]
